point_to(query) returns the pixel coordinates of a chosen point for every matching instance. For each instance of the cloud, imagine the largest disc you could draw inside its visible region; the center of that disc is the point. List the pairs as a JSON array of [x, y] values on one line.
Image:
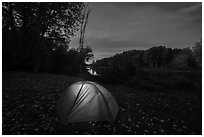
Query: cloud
[[192, 8], [116, 27]]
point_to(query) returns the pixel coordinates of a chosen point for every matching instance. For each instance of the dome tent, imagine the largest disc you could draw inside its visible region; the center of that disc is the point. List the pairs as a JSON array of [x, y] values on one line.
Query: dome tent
[[86, 101]]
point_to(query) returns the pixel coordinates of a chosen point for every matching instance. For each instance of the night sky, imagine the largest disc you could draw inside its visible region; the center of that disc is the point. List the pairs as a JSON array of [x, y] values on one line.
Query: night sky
[[116, 27]]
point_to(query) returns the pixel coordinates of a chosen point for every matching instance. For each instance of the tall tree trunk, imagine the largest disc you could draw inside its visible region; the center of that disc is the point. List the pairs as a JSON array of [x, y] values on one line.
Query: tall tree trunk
[[41, 30], [36, 60], [12, 22], [85, 15], [38, 36], [37, 56]]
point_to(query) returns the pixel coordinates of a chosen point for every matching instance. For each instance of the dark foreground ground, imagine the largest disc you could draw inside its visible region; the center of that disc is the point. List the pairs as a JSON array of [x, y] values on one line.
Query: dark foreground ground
[[29, 107]]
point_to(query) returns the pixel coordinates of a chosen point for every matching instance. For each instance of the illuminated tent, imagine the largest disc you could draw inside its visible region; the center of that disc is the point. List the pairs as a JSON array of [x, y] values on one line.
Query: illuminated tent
[[86, 101]]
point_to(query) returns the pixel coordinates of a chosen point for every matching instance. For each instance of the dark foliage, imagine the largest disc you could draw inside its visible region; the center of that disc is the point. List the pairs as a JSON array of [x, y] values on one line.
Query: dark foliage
[[36, 37], [154, 58], [155, 69]]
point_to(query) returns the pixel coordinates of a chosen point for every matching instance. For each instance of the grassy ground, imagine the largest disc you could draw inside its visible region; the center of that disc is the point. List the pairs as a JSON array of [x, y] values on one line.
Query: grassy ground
[[29, 107]]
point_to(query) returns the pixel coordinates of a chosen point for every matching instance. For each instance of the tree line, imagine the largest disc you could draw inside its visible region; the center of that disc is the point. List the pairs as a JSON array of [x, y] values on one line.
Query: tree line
[[36, 36], [159, 57]]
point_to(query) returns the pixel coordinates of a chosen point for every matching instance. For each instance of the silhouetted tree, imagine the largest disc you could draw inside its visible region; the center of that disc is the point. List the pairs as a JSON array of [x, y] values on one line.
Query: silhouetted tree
[[184, 59], [36, 21], [85, 53], [156, 57], [197, 53], [159, 57]]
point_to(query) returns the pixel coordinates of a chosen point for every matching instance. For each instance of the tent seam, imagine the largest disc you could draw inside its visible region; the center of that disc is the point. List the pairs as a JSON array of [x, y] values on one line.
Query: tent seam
[[106, 102]]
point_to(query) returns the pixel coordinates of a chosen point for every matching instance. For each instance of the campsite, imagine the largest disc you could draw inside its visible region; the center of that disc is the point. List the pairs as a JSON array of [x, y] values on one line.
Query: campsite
[[29, 107], [101, 68]]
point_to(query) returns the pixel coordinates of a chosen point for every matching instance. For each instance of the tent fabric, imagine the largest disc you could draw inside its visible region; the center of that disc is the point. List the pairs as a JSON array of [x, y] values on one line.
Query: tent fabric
[[86, 101]]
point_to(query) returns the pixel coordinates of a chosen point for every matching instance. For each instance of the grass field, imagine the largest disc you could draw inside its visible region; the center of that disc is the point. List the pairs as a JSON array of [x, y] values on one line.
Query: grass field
[[29, 107]]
